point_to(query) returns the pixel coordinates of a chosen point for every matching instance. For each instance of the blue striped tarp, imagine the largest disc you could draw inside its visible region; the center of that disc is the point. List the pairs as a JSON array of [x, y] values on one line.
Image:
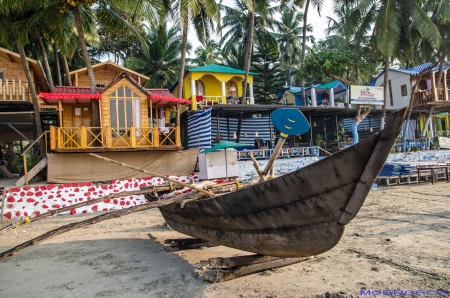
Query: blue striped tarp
[[250, 126], [199, 129]]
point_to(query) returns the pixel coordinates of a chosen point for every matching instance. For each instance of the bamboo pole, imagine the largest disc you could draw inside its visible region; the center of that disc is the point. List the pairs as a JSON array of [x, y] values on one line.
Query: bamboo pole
[[81, 224], [75, 206], [156, 175]]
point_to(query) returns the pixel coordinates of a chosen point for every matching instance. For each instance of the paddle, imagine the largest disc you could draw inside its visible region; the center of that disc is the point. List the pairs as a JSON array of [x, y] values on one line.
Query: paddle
[[289, 121]]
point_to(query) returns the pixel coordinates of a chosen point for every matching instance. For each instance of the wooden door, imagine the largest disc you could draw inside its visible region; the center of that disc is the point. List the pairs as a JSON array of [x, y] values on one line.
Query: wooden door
[[81, 116], [232, 89]]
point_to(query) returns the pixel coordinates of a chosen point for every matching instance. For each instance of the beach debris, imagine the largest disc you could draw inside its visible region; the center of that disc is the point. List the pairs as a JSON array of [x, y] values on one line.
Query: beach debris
[[186, 243]]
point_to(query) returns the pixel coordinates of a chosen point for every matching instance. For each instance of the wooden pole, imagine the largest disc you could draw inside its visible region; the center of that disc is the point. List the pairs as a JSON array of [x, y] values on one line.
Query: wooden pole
[[84, 223], [275, 153], [82, 204], [156, 175], [262, 177]]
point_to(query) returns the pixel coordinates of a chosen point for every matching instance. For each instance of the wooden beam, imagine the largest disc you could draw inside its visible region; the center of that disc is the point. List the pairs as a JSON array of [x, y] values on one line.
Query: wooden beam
[[10, 57], [445, 85], [33, 172], [433, 86], [221, 275]]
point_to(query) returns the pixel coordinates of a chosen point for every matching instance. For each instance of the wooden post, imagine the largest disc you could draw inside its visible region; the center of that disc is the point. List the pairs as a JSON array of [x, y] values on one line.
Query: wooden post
[[156, 135], [4, 201], [25, 171], [52, 138], [156, 175], [83, 136], [177, 136], [445, 86], [433, 86], [133, 136], [60, 109], [108, 137]]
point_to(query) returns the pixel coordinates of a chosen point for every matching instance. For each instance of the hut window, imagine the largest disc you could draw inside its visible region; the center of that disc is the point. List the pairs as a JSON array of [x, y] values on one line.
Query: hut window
[[125, 110]]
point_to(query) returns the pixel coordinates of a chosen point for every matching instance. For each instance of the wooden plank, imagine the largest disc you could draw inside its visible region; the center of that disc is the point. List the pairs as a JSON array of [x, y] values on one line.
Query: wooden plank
[[190, 246], [224, 275], [183, 241], [5, 170], [231, 262], [33, 172]]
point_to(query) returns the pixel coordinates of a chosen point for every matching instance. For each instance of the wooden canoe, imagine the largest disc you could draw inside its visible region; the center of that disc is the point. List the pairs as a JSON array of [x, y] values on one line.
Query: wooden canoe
[[299, 214]]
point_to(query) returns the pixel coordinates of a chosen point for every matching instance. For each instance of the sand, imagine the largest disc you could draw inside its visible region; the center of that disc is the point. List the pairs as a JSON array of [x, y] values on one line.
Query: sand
[[400, 240]]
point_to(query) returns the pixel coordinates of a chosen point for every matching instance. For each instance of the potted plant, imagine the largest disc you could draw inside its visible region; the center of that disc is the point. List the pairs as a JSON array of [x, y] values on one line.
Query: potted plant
[[435, 143], [320, 141], [415, 148]]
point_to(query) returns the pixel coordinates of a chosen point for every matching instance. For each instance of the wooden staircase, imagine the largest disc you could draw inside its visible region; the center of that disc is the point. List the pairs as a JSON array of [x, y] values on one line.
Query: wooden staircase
[[33, 172]]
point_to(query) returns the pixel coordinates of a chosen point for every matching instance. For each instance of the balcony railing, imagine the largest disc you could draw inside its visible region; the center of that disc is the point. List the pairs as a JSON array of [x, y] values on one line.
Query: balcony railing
[[76, 138], [426, 96], [13, 90]]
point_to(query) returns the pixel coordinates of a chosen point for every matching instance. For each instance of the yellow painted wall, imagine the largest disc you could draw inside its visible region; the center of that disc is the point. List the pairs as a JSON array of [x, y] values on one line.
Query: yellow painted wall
[[212, 83]]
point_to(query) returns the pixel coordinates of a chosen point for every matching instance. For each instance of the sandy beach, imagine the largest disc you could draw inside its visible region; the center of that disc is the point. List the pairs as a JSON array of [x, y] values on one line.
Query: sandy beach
[[398, 241]]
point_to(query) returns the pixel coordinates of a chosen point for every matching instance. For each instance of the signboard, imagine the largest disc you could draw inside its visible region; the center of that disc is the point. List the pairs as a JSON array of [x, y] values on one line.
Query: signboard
[[444, 142], [366, 95]]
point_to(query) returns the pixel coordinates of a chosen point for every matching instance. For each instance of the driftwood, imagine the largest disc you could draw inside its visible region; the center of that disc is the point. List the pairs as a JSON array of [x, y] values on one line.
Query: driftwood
[[219, 275], [262, 177], [239, 261], [153, 174], [81, 224]]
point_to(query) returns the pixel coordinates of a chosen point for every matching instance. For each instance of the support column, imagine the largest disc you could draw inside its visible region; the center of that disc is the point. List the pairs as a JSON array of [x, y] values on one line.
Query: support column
[[444, 77], [433, 86], [347, 96], [252, 99], [313, 97], [431, 128], [193, 97], [331, 97], [224, 98]]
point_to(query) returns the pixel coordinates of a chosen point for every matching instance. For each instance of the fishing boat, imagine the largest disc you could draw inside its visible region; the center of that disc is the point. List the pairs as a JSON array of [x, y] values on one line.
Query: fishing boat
[[299, 214]]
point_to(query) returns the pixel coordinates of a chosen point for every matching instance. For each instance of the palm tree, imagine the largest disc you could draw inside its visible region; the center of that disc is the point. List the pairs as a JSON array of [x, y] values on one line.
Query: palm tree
[[162, 62], [316, 4], [288, 33], [11, 12], [248, 20], [203, 14], [207, 54], [388, 21]]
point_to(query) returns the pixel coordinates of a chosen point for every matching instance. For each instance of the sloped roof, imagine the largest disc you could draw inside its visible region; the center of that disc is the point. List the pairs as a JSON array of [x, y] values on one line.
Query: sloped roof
[[75, 89], [112, 65], [219, 69], [34, 65], [414, 71], [330, 85]]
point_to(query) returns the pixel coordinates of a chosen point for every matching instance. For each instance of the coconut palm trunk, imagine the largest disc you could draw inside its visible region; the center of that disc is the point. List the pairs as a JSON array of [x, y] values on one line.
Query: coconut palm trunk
[[83, 47], [67, 79], [37, 115], [183, 59], [302, 57], [386, 86], [46, 66], [248, 51], [55, 55]]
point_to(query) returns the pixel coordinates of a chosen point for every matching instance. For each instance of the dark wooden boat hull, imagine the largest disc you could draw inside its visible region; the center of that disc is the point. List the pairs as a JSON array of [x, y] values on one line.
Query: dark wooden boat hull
[[302, 213]]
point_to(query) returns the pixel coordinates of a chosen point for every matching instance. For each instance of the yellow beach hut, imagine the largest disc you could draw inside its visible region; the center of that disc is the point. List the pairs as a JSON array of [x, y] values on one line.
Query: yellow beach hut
[[215, 84]]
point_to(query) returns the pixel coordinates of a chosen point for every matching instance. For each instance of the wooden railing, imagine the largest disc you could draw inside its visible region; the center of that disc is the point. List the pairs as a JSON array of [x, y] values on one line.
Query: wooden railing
[[426, 96], [75, 138], [13, 90], [211, 100]]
